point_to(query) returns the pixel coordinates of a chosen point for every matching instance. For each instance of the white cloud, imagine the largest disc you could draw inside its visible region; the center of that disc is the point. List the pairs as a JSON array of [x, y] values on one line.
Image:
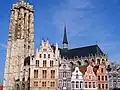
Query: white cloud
[[3, 46]]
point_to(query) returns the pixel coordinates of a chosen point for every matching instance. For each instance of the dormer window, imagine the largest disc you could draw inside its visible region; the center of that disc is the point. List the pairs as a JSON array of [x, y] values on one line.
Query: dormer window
[[64, 66]]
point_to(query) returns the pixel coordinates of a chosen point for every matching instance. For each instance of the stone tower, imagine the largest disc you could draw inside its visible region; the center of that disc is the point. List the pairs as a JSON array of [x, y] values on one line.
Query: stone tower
[[20, 42]]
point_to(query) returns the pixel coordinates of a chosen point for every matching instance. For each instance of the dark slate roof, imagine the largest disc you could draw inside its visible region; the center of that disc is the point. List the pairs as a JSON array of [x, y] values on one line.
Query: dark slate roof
[[65, 36], [82, 51]]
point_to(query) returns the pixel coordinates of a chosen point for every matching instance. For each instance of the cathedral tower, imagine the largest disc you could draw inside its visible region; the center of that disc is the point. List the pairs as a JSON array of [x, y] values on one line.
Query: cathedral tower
[[20, 42]]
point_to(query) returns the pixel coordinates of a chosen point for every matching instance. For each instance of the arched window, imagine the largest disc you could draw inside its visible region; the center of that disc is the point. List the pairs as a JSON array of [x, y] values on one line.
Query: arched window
[[23, 86], [81, 84], [98, 61], [18, 87], [79, 63], [77, 84], [73, 84]]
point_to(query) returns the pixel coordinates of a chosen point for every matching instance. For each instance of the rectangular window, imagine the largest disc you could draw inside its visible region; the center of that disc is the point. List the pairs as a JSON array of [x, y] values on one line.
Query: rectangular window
[[44, 73], [35, 83], [51, 63], [40, 56], [76, 76], [89, 84], [99, 78], [99, 87], [44, 55], [81, 84], [72, 84], [77, 84], [86, 85], [93, 84], [101, 70], [106, 86], [44, 63], [64, 74], [106, 78], [103, 78], [102, 86], [48, 55], [52, 73], [37, 63], [35, 73], [43, 84], [52, 84], [64, 83]]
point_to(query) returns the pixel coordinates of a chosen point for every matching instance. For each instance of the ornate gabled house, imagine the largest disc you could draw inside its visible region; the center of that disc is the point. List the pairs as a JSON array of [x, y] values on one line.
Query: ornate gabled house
[[44, 68], [90, 79], [77, 82], [64, 75], [102, 74], [114, 76]]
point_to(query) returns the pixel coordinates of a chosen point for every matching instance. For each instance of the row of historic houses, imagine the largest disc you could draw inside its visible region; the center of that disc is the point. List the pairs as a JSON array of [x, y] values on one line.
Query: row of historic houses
[[51, 67]]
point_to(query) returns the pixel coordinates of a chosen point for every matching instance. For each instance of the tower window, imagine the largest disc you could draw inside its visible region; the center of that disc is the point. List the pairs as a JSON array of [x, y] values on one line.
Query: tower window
[[28, 47]]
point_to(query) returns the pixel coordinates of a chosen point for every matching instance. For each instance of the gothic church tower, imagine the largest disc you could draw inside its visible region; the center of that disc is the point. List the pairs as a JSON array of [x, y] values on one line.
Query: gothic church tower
[[20, 42]]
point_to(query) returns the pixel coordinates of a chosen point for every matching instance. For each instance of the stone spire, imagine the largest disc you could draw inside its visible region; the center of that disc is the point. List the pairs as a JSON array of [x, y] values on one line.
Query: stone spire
[[65, 41]]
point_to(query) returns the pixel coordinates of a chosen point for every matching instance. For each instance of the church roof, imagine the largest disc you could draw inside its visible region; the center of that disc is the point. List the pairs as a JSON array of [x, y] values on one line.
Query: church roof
[[82, 51]]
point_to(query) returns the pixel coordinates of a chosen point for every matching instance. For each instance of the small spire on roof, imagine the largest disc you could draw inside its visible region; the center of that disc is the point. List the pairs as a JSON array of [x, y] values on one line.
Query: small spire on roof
[[65, 36]]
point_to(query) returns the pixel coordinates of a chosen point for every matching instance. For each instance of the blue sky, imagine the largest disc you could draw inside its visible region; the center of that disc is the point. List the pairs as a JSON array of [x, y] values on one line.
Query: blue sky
[[87, 21]]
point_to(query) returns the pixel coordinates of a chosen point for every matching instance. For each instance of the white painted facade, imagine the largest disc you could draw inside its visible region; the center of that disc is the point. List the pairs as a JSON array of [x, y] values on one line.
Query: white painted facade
[[77, 80]]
